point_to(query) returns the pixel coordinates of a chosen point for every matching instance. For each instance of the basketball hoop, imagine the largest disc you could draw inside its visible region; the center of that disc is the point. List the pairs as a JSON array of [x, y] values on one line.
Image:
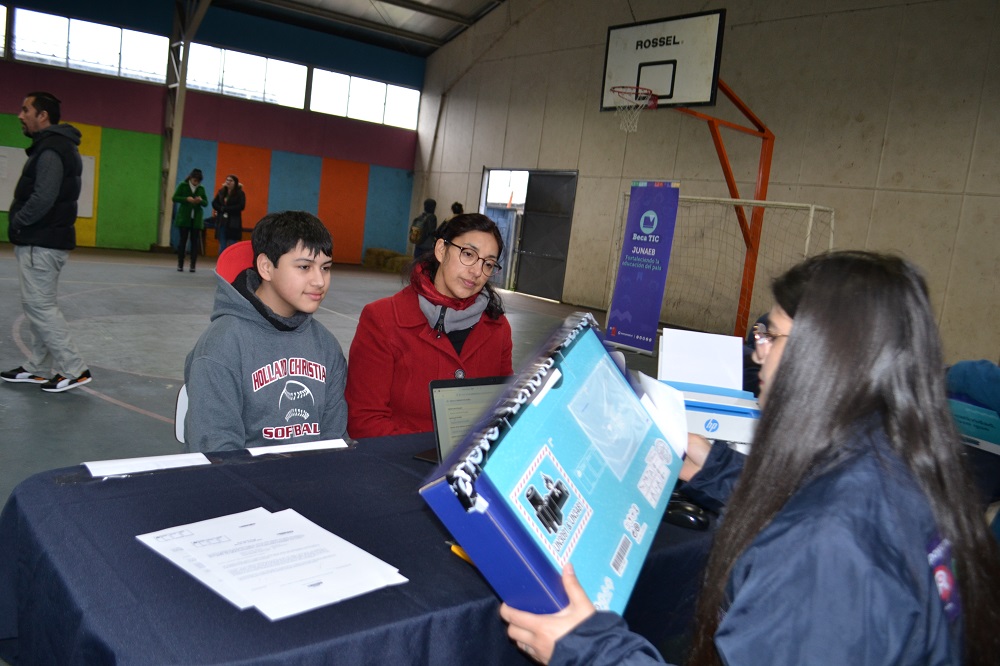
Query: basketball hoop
[[632, 100]]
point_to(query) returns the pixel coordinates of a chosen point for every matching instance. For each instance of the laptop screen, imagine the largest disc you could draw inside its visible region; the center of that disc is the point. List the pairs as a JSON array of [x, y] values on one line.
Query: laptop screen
[[457, 405]]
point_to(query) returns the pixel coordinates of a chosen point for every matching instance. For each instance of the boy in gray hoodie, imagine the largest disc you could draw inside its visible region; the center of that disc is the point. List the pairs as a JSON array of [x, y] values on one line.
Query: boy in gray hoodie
[[264, 372]]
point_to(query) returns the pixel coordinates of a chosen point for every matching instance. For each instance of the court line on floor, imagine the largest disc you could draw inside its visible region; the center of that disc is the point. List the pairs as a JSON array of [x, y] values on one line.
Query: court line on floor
[[16, 334]]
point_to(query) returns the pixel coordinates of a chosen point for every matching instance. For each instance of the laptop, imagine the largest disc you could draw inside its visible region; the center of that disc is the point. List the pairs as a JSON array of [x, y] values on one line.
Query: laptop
[[456, 406]]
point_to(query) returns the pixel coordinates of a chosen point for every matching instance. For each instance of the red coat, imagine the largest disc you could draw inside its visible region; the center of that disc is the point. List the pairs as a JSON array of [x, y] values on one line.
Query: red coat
[[395, 355]]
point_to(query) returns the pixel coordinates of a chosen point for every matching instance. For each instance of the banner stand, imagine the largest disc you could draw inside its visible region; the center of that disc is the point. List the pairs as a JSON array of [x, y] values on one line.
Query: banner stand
[[634, 312]]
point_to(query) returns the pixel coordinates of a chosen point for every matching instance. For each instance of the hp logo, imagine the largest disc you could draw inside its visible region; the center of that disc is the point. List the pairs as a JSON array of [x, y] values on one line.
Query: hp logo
[[711, 425]]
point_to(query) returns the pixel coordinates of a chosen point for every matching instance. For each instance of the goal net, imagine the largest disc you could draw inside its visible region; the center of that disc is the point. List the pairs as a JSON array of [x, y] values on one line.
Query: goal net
[[705, 278]]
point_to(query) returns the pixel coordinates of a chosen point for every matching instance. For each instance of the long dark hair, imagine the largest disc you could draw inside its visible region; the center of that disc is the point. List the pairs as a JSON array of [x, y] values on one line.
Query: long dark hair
[[864, 345], [224, 193], [452, 229]]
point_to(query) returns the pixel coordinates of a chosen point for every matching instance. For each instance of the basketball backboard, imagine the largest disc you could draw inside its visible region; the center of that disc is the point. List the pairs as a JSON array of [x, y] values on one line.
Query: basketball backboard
[[677, 58]]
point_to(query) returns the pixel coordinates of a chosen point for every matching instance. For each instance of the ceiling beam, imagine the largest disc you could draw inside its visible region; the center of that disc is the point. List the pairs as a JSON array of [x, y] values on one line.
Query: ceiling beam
[[344, 19], [430, 11]]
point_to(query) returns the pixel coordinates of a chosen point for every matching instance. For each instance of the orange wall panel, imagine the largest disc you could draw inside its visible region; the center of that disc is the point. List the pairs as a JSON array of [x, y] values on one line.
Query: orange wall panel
[[343, 197]]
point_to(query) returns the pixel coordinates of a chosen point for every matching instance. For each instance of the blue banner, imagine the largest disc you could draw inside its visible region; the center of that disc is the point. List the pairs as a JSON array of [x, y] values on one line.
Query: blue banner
[[634, 315]]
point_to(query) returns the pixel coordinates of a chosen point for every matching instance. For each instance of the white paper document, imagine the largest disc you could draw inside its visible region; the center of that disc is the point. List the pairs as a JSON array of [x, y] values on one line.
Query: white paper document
[[692, 357], [292, 448], [666, 405], [99, 468], [280, 563]]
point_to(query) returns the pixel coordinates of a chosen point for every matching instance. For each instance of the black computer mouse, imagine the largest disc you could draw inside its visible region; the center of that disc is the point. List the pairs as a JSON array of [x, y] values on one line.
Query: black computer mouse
[[685, 514]]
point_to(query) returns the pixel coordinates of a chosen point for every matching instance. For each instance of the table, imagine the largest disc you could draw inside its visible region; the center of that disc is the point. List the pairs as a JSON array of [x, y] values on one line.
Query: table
[[76, 587]]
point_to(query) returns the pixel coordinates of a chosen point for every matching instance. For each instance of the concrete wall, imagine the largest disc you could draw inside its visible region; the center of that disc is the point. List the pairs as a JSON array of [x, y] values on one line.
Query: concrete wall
[[885, 111]]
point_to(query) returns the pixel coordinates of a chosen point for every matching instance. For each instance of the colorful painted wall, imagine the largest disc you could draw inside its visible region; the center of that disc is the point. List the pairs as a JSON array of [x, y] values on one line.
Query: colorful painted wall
[[354, 176]]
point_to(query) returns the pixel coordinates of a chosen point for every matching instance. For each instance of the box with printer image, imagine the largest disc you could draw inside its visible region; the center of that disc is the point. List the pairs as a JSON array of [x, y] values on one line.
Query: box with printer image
[[708, 369], [570, 465]]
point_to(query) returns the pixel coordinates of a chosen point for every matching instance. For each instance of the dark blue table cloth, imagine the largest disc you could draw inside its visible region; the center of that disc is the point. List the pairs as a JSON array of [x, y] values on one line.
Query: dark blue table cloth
[[77, 587]]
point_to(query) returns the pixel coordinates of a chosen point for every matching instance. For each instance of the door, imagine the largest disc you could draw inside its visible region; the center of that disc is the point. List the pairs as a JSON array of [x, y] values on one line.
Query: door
[[545, 229]]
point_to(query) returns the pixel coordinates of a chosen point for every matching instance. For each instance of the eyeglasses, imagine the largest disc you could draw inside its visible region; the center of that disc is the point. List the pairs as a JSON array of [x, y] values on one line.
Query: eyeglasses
[[469, 257], [763, 340]]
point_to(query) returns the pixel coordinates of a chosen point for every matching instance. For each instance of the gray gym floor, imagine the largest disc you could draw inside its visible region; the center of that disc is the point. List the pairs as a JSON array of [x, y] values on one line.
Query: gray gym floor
[[134, 319]]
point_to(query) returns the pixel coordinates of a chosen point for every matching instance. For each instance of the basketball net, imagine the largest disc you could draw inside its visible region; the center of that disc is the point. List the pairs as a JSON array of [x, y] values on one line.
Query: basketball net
[[631, 101]]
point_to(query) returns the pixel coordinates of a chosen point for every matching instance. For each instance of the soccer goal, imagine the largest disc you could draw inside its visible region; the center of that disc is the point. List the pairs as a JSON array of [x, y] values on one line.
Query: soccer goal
[[707, 288]]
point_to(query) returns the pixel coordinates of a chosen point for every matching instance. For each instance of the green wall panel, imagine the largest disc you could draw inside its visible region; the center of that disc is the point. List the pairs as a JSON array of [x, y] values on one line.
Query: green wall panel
[[128, 189], [10, 131], [10, 135]]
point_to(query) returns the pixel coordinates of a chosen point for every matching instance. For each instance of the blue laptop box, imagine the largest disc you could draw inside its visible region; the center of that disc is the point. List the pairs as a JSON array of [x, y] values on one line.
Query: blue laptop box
[[567, 467]]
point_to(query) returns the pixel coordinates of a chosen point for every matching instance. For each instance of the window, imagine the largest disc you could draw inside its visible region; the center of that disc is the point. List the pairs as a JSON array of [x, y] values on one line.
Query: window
[[362, 99], [329, 92], [54, 40], [506, 188], [63, 42], [204, 70], [243, 74], [3, 30], [40, 37], [285, 83], [144, 56], [247, 75], [94, 47], [401, 107], [366, 100]]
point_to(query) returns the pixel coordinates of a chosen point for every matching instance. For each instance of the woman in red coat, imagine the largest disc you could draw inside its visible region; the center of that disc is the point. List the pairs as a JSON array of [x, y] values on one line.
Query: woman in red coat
[[447, 323]]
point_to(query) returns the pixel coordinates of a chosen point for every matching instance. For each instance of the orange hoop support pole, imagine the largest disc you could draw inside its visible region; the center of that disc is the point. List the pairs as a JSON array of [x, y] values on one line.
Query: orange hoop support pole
[[751, 229]]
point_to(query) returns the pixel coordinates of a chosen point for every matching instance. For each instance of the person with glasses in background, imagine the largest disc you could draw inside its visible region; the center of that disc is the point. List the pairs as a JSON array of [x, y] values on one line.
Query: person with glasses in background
[[447, 323], [853, 535]]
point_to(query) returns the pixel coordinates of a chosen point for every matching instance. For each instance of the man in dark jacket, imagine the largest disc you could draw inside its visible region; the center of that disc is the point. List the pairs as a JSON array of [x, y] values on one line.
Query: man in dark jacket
[[42, 228]]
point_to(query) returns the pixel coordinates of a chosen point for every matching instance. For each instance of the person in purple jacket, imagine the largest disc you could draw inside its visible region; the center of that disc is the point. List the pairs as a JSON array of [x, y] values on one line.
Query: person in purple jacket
[[851, 536]]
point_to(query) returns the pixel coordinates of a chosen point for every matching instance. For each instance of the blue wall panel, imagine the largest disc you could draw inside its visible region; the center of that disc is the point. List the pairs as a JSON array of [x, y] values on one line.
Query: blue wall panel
[[153, 16], [294, 182], [198, 154], [387, 217]]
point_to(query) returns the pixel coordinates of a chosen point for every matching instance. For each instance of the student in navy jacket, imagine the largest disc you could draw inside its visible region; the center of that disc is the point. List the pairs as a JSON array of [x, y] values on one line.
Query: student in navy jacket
[[852, 536]]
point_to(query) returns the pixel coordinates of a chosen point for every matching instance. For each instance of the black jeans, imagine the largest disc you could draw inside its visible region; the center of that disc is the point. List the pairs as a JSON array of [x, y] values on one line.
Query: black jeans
[[195, 235]]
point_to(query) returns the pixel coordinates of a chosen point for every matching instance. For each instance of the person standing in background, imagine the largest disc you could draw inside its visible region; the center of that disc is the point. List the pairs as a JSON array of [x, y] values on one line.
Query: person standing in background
[[41, 225], [428, 225], [456, 209], [192, 198], [228, 205]]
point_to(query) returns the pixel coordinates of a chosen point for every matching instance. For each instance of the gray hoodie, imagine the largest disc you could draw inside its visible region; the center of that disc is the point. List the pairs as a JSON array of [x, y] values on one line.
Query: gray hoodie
[[256, 380]]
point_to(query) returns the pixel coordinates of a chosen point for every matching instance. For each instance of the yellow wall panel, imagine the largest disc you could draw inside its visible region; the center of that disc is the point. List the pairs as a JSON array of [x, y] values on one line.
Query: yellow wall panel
[[90, 144]]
